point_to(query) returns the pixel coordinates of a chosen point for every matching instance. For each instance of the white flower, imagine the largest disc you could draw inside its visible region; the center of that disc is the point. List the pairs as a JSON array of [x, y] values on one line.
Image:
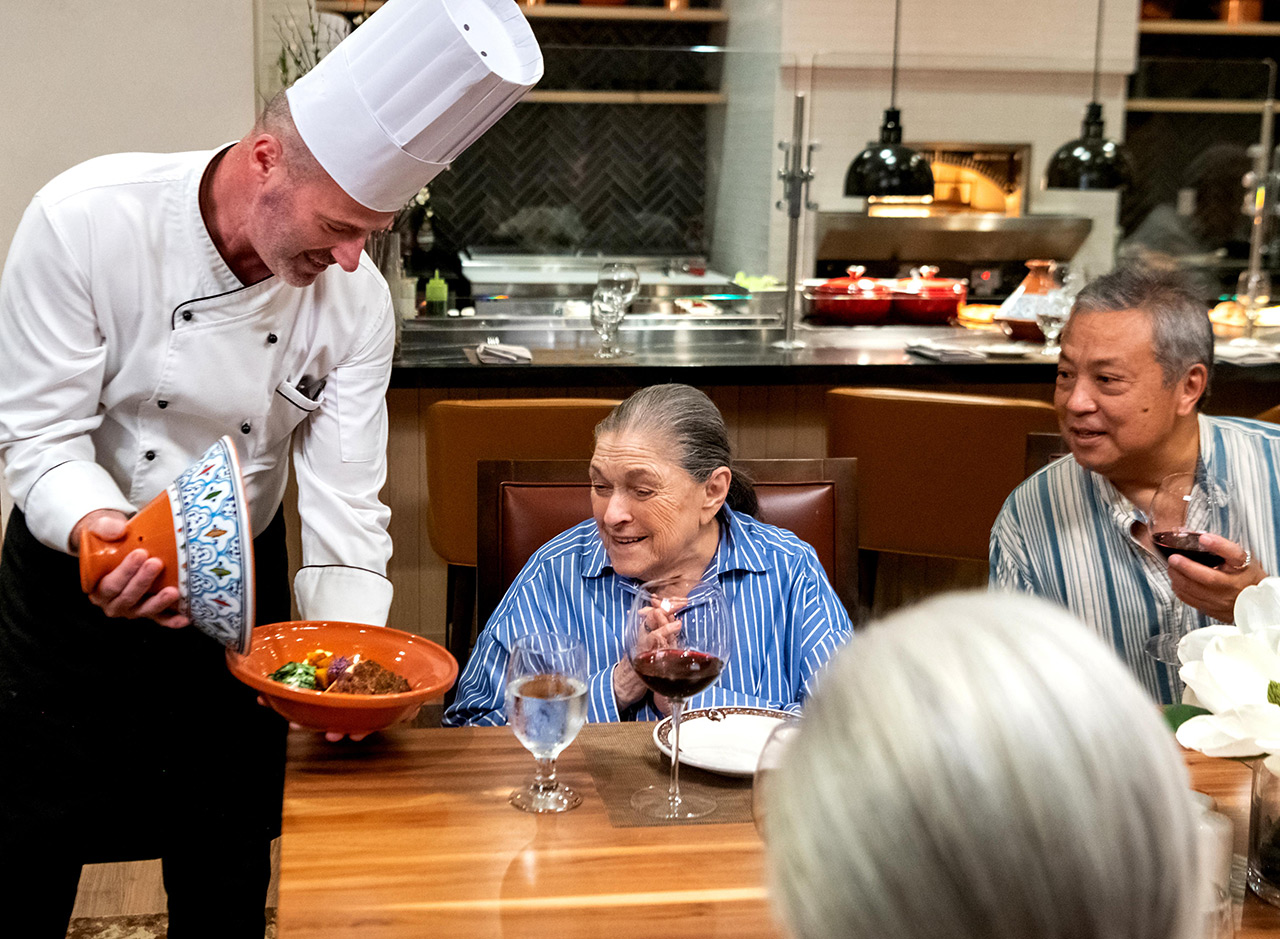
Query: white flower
[[1234, 672]]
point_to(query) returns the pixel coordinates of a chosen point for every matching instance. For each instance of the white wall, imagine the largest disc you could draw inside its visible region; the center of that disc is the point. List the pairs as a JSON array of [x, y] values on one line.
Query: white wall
[[86, 77]]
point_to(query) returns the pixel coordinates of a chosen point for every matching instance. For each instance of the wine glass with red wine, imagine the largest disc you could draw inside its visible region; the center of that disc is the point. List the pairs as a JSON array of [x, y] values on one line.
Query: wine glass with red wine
[[678, 638], [1184, 507]]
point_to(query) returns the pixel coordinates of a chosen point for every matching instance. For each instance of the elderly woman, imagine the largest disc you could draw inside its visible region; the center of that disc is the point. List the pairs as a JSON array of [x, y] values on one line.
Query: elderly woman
[[982, 768], [665, 501]]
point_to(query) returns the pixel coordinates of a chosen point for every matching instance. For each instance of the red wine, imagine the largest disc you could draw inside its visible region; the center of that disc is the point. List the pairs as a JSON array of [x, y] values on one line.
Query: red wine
[[1186, 543], [677, 673]]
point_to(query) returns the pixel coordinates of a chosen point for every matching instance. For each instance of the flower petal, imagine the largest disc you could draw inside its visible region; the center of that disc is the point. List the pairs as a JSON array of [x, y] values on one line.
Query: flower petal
[[1217, 735], [1201, 690], [1260, 721], [1242, 666], [1191, 646], [1259, 606]]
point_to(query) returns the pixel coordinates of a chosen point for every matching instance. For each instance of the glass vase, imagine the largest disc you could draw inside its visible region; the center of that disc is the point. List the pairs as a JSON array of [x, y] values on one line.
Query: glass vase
[[1264, 830]]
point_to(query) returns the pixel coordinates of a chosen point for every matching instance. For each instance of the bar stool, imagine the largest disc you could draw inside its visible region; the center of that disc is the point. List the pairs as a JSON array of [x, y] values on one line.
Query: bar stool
[[461, 433], [933, 468]]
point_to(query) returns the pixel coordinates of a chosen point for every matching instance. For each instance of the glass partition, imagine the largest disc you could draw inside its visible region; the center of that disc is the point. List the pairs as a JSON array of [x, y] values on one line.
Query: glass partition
[[1193, 131], [663, 157]]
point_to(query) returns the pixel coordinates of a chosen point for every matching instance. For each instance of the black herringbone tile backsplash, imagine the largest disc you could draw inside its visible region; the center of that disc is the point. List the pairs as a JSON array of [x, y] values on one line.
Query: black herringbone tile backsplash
[[562, 178]]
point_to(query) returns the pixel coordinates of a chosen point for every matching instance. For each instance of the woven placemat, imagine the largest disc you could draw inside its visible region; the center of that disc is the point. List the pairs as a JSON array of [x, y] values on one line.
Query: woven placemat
[[623, 758]]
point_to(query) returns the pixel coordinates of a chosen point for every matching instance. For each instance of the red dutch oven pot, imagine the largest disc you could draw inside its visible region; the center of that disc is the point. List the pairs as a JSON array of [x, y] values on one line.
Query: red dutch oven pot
[[926, 298], [849, 301]]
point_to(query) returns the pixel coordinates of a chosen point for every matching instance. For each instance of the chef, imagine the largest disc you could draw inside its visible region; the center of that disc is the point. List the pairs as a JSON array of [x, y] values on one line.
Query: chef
[[151, 303]]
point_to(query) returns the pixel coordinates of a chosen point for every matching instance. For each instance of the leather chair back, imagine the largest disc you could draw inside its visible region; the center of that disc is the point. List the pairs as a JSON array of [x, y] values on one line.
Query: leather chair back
[[461, 433], [523, 505], [933, 468]]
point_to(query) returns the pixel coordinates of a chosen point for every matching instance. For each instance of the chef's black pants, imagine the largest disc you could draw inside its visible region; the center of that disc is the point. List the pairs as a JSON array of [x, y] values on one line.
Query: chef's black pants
[[123, 740]]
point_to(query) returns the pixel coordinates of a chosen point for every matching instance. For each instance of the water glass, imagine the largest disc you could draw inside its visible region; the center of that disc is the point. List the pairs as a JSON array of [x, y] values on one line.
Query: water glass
[[616, 286], [546, 706], [1052, 310]]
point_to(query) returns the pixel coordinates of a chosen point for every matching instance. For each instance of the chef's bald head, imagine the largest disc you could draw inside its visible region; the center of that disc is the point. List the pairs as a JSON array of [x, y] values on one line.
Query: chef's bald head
[[277, 121]]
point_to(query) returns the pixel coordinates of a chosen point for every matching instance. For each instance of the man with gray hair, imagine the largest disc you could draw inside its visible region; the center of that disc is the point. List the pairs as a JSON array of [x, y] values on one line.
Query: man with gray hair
[[1135, 367]]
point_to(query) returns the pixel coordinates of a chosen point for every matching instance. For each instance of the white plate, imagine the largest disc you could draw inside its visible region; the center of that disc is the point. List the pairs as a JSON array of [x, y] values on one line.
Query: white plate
[[724, 740], [1007, 350]]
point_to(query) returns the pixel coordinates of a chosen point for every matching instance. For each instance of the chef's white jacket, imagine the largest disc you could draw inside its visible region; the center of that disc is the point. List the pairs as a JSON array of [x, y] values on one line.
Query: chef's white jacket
[[127, 347]]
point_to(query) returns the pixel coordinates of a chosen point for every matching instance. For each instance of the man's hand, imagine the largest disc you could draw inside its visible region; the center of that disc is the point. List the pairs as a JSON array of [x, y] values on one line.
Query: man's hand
[[123, 591], [658, 630], [1210, 590]]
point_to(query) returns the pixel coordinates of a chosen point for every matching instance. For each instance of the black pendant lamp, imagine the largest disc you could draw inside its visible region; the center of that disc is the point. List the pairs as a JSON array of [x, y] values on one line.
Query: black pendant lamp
[[888, 168], [1091, 161]]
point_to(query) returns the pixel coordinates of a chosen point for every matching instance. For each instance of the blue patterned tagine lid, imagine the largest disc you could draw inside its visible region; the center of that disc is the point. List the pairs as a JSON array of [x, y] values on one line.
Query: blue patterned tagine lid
[[215, 546]]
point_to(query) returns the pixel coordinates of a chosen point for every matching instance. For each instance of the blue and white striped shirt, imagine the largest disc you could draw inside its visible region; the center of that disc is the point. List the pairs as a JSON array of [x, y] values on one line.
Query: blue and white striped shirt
[[1067, 534], [787, 621]]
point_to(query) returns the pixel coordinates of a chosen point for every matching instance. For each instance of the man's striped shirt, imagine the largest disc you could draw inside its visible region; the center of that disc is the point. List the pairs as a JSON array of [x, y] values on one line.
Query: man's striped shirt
[[1067, 534]]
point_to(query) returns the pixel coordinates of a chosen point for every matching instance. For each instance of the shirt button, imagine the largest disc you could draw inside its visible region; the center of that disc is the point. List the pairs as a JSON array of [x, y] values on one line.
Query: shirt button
[[245, 428], [186, 314], [151, 454], [162, 404], [272, 337]]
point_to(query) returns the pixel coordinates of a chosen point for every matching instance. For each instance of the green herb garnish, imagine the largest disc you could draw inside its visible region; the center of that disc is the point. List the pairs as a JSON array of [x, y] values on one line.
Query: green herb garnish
[[295, 674]]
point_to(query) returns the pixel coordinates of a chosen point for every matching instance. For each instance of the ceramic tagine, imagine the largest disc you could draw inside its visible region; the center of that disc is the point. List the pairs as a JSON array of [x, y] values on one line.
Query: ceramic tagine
[[199, 526]]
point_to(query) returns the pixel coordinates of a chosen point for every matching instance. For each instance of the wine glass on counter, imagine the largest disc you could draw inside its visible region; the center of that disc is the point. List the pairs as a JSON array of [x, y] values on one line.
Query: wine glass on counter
[[1185, 507], [678, 638], [546, 706], [617, 285]]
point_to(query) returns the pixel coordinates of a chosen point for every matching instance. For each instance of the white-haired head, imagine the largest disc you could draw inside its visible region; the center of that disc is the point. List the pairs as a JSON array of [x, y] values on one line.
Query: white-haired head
[[980, 766]]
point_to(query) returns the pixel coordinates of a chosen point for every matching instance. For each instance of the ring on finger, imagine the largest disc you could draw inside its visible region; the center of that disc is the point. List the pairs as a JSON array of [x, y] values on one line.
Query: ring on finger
[[1248, 559]]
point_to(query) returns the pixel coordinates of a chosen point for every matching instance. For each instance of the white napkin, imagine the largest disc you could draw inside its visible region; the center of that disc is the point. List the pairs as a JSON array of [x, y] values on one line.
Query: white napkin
[[499, 353], [942, 352], [1246, 355]]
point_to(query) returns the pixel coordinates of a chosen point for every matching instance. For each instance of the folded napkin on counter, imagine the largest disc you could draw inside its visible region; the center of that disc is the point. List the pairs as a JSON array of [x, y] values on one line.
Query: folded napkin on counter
[[944, 352], [1246, 355], [499, 353]]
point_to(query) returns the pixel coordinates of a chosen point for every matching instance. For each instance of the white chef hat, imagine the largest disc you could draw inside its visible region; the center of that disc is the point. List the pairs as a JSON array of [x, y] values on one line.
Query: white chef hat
[[409, 90]]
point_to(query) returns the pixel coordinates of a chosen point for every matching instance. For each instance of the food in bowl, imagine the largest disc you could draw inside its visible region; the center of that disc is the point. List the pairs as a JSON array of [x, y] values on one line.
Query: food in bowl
[[975, 315], [1230, 313], [323, 671], [428, 668]]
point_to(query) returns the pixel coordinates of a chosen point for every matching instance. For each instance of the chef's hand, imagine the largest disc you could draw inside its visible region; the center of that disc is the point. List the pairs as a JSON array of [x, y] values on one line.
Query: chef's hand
[[1213, 590], [658, 632], [123, 591], [331, 735]]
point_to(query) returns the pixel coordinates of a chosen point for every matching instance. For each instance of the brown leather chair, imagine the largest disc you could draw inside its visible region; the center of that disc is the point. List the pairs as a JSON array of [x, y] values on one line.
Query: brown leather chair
[[933, 468], [524, 504], [1270, 414], [460, 434]]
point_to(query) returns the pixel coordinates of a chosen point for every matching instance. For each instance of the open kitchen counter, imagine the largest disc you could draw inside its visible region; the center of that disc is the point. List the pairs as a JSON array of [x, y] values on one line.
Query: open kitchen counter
[[734, 350]]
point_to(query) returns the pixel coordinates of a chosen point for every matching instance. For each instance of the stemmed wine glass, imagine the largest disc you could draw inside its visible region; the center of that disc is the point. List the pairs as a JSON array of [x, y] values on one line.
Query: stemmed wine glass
[[678, 639], [1052, 308], [771, 760], [616, 286], [546, 707], [1185, 506], [1253, 292]]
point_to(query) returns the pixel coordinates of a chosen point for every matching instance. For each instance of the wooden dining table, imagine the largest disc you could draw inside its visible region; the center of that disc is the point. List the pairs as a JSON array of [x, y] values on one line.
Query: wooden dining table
[[409, 834]]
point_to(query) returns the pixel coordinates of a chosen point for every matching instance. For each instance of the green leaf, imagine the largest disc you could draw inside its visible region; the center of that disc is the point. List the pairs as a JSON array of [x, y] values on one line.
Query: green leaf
[[1273, 692], [296, 674], [1178, 714]]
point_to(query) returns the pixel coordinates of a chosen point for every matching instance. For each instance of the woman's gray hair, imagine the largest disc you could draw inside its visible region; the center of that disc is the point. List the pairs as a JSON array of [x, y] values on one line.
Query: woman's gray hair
[[980, 766], [1182, 335], [694, 426]]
